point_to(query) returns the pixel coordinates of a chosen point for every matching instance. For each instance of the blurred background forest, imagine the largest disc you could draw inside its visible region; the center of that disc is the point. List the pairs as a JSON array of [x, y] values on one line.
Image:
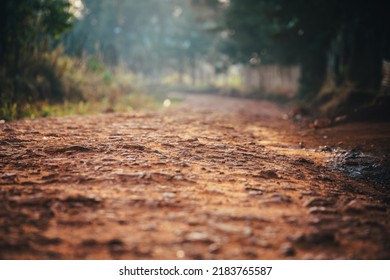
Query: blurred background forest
[[82, 56]]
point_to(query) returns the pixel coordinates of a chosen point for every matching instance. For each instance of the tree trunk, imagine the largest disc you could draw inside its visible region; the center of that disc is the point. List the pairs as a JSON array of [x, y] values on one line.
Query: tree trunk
[[313, 67], [365, 61]]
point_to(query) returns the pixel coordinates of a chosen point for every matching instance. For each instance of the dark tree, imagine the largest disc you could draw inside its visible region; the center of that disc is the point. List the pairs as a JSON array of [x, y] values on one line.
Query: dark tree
[[28, 29], [345, 39]]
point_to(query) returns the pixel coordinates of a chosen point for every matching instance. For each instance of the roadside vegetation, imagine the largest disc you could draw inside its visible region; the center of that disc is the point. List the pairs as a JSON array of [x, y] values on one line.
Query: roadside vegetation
[[38, 78], [85, 56]]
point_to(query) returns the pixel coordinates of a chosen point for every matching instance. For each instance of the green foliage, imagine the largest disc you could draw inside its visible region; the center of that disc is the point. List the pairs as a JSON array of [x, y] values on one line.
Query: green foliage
[[346, 38], [83, 91], [42, 79], [25, 23], [8, 111], [28, 28], [95, 65], [38, 79], [108, 77], [149, 37]]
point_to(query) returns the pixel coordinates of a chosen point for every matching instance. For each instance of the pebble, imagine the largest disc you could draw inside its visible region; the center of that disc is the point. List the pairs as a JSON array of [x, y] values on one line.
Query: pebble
[[267, 174], [277, 198], [287, 250], [198, 236], [325, 149], [317, 238], [354, 207], [168, 195], [8, 128], [341, 118], [318, 201], [322, 210], [233, 229], [214, 248], [253, 192], [357, 207], [288, 188], [304, 160], [180, 254], [322, 123]]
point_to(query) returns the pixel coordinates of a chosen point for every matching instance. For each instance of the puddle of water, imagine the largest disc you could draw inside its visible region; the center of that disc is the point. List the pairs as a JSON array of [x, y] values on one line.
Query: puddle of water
[[359, 165]]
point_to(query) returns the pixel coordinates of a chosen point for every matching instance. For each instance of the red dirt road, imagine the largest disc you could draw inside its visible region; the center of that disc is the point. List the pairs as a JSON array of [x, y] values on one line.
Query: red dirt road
[[214, 178]]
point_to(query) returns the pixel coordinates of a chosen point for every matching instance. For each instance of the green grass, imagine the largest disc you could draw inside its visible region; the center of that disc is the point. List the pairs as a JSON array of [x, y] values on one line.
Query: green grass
[[54, 84], [130, 102]]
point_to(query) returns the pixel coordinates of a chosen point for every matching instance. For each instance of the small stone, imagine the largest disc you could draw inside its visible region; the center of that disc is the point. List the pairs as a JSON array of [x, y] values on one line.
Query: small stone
[[354, 207], [89, 242], [308, 193], [194, 139], [292, 220], [322, 210], [168, 195], [322, 123], [287, 250], [250, 253], [325, 149], [277, 198], [198, 236], [267, 174], [233, 229], [317, 238], [115, 245], [304, 160], [180, 254], [149, 227], [214, 248], [142, 251], [289, 188], [254, 193], [7, 128], [318, 201], [339, 119]]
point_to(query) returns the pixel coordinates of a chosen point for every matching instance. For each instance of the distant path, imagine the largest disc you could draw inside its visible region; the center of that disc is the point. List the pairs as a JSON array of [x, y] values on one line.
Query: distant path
[[214, 178]]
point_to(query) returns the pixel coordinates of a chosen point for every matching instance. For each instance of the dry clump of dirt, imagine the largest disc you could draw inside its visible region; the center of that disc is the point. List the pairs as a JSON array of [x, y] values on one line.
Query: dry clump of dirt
[[214, 178]]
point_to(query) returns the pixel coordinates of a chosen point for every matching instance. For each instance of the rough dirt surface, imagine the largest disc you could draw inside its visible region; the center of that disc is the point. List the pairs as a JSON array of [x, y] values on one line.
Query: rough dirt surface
[[213, 178]]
